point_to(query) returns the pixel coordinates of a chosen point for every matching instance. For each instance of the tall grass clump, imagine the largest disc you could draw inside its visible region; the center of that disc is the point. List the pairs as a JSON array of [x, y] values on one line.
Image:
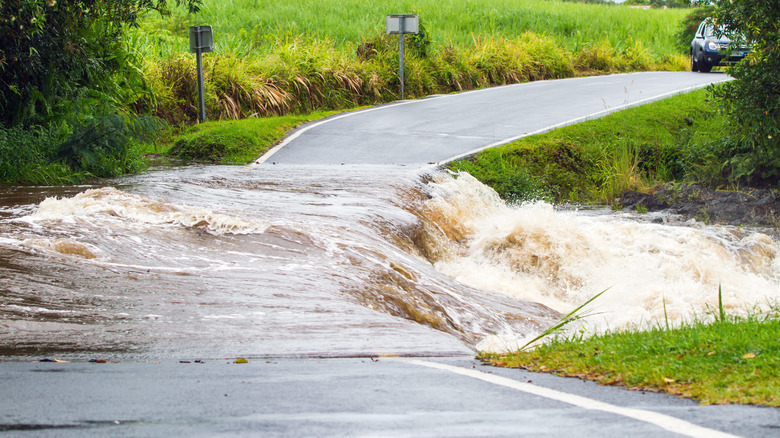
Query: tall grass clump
[[617, 170]]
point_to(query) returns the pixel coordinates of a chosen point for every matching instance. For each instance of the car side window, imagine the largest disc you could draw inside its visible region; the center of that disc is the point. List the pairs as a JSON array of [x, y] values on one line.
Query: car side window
[[700, 32]]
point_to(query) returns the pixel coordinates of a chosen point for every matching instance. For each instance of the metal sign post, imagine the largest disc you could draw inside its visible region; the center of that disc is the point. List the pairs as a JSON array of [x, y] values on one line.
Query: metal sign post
[[402, 24], [201, 41]]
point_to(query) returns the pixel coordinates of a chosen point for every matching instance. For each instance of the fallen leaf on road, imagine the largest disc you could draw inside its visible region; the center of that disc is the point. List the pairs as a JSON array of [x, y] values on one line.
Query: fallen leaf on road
[[241, 360]]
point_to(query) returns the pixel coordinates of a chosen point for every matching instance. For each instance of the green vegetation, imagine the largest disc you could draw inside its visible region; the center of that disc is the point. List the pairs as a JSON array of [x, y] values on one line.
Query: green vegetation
[[52, 52], [101, 145], [731, 360], [659, 3], [255, 25], [65, 84], [752, 101], [231, 141], [597, 160]]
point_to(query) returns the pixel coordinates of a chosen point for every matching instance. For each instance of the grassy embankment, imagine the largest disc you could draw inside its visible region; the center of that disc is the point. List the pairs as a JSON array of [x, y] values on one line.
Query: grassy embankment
[[227, 141], [730, 360], [276, 57]]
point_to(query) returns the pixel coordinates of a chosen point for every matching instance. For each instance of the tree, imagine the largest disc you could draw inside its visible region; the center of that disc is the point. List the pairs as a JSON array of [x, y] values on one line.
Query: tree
[[752, 100], [53, 50]]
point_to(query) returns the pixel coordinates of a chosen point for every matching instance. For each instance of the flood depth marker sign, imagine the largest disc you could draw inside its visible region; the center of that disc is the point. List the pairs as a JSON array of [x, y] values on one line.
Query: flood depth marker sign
[[201, 41], [402, 24]]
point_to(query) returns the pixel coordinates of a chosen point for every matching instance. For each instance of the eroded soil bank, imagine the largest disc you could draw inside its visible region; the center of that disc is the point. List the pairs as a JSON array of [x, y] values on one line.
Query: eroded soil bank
[[750, 207]]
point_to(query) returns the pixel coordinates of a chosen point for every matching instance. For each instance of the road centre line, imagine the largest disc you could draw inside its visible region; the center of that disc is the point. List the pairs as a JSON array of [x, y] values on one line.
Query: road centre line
[[666, 422]]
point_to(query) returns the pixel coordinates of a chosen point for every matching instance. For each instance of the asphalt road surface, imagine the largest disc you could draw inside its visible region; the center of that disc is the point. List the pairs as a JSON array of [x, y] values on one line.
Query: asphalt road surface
[[345, 397], [378, 396], [440, 128]]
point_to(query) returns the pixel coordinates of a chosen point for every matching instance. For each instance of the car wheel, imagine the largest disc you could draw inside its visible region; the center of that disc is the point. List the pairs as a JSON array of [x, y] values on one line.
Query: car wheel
[[694, 64], [702, 65]]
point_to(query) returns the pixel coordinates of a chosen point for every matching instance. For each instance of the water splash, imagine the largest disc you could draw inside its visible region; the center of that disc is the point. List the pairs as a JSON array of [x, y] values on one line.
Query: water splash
[[112, 202], [562, 258]]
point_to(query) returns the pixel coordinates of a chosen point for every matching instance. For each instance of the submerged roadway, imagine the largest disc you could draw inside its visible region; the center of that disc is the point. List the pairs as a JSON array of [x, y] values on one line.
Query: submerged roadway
[[445, 395]]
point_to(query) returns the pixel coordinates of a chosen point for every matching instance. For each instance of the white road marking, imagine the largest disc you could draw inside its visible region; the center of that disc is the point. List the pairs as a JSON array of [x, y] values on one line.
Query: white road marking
[[577, 120], [666, 422], [300, 132], [602, 81]]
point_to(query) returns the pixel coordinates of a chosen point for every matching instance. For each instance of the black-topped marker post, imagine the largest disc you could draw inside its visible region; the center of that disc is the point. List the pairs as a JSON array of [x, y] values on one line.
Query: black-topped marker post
[[201, 41]]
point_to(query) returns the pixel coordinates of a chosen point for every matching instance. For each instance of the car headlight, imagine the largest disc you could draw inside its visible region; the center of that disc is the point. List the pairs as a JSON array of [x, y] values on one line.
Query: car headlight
[[712, 45]]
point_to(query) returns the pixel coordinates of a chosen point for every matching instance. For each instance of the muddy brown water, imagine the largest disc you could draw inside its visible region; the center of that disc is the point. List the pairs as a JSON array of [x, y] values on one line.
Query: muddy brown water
[[214, 261]]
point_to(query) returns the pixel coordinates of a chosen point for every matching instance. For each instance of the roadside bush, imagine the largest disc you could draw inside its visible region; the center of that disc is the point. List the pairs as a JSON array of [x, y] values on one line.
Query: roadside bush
[[662, 160], [721, 159], [21, 152], [99, 145], [27, 156], [420, 43], [174, 90], [50, 51], [634, 56], [752, 100]]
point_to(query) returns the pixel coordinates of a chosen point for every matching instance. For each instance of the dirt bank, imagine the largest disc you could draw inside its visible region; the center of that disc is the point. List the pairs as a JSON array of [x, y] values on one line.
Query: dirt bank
[[752, 207]]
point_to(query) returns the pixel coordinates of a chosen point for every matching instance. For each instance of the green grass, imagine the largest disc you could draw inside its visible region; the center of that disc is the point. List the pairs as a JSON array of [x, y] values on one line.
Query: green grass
[[722, 362], [595, 161], [252, 25], [229, 141]]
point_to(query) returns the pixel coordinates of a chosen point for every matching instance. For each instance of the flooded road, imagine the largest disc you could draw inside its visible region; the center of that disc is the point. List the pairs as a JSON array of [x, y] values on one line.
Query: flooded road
[[331, 261], [215, 261]]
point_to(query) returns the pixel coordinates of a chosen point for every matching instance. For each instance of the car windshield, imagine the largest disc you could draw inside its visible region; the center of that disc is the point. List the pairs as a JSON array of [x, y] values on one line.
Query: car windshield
[[716, 32]]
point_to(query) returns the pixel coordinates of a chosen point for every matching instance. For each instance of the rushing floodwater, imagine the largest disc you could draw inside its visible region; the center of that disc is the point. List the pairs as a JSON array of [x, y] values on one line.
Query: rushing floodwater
[[338, 261]]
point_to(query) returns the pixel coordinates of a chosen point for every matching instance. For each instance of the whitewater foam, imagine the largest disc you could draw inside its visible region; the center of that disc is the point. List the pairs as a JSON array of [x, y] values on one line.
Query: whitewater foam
[[562, 258]]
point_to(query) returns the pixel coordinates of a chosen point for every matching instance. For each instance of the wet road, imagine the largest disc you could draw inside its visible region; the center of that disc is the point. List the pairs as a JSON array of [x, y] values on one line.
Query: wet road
[[439, 128], [344, 397]]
